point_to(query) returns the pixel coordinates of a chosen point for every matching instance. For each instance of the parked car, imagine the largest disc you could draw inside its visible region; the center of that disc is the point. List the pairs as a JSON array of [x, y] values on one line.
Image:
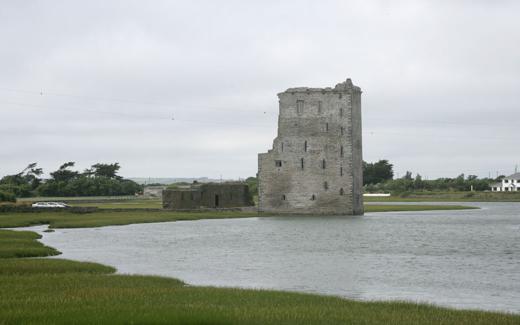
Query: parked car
[[49, 205]]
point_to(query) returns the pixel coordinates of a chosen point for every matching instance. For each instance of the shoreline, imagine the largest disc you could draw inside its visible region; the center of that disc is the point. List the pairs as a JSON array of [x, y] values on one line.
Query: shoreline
[[82, 278]]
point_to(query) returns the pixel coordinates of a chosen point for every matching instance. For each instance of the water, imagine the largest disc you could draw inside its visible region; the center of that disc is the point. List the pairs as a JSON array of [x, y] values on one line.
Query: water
[[462, 259]]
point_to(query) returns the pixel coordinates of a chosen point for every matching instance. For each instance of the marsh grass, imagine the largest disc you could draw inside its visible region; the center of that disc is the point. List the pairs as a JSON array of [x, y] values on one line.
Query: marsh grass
[[23, 244], [64, 219], [404, 208], [54, 291], [450, 197]]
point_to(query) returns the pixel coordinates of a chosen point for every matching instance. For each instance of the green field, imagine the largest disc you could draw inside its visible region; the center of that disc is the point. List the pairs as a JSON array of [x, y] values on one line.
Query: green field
[[110, 218], [450, 197], [53, 291]]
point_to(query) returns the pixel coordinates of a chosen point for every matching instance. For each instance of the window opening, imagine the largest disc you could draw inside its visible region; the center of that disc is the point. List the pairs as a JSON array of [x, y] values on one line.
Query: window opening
[[325, 186], [341, 192], [323, 164], [305, 146], [299, 106], [278, 163], [301, 161]]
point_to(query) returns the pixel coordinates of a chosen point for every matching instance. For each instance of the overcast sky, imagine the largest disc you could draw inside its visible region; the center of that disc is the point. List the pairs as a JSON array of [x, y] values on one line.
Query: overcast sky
[[188, 88]]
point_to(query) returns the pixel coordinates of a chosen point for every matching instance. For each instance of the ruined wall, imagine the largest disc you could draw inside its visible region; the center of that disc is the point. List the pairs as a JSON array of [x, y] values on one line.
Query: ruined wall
[[225, 195], [315, 165]]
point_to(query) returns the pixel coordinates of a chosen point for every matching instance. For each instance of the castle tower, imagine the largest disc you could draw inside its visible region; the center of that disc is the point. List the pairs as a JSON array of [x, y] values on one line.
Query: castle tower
[[315, 165]]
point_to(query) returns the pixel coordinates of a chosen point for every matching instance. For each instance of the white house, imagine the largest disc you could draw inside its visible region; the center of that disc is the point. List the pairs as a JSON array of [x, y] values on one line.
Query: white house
[[508, 184]]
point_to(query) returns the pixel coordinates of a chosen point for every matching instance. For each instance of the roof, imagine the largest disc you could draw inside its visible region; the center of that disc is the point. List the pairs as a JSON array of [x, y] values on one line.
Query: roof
[[495, 185], [514, 176]]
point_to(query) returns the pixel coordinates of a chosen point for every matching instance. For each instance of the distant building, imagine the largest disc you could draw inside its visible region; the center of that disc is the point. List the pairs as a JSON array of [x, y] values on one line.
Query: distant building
[[315, 164], [207, 196], [508, 184]]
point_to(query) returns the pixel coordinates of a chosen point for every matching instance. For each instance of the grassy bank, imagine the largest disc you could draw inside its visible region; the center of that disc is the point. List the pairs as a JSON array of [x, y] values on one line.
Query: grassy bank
[[62, 292], [403, 208], [111, 218], [450, 197]]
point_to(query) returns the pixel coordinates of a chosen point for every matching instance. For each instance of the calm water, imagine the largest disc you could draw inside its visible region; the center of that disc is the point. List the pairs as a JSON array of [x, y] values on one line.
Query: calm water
[[463, 259]]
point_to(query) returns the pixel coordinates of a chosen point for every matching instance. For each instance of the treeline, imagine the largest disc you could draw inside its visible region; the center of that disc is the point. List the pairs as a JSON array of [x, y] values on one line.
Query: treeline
[[99, 180], [377, 179]]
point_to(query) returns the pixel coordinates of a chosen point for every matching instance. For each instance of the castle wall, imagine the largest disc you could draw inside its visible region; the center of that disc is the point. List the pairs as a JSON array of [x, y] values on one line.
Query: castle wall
[[315, 165], [225, 195]]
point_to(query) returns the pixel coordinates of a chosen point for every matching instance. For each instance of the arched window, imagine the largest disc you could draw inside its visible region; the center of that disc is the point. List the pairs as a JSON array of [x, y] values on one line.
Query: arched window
[[341, 192]]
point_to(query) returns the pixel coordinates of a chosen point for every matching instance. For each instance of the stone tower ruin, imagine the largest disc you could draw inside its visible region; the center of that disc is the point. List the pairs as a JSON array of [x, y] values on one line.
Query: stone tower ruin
[[315, 165]]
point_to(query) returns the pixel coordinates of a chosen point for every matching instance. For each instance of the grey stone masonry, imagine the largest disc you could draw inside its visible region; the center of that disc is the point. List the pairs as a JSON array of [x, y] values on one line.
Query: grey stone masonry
[[315, 165]]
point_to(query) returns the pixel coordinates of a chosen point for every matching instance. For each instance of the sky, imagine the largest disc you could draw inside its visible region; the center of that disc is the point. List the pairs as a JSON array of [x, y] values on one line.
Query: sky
[[188, 88]]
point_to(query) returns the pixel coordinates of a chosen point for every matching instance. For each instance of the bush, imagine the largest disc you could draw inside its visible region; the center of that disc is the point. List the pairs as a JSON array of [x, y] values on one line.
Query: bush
[[7, 197]]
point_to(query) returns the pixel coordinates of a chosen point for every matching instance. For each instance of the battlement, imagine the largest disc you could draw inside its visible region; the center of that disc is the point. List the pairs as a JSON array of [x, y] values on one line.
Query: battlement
[[346, 86]]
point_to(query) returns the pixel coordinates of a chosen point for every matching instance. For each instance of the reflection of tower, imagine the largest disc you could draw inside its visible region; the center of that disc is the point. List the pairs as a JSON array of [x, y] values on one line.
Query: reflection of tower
[[315, 165]]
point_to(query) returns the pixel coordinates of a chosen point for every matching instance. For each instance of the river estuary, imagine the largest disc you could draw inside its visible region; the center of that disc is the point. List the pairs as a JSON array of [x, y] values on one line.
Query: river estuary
[[462, 259]]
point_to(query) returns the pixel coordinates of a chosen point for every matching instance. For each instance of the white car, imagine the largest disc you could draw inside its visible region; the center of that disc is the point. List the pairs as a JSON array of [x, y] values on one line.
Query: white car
[[49, 205]]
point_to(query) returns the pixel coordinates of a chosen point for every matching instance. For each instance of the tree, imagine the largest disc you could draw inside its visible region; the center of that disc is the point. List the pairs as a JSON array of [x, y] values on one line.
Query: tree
[[23, 183], [63, 174], [379, 172], [106, 170]]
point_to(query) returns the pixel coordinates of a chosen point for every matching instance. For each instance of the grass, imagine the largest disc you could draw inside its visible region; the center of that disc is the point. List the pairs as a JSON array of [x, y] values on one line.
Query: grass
[[129, 204], [450, 197], [54, 291], [112, 218], [396, 208], [22, 244]]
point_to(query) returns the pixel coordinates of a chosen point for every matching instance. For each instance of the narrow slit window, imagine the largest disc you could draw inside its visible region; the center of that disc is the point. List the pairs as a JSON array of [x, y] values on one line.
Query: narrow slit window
[[325, 186], [341, 171], [305, 146], [299, 106], [313, 197], [341, 191], [301, 162], [326, 127], [278, 163], [341, 151], [341, 112], [319, 107], [342, 130], [323, 164], [284, 197], [282, 146]]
